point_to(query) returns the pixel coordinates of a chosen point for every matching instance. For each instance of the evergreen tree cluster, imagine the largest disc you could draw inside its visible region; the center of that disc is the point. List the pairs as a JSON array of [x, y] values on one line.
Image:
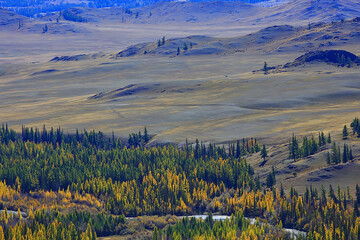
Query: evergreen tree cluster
[[50, 224], [159, 180], [308, 147], [7, 134], [336, 157], [164, 179], [343, 61], [322, 215], [355, 125], [69, 16], [161, 42], [236, 227], [57, 137], [137, 139]]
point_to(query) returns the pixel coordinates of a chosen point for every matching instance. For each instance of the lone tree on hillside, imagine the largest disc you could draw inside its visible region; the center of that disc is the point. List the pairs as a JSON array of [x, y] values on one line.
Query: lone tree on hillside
[[266, 69], [45, 29], [264, 152]]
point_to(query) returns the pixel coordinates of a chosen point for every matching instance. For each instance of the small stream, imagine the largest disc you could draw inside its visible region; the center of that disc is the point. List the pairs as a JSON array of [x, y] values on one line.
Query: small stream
[[294, 232], [14, 213]]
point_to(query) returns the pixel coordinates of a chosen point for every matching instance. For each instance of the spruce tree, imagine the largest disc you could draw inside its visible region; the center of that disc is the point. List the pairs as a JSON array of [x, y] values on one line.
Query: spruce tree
[[329, 138], [345, 153], [354, 125], [146, 135], [305, 148], [271, 178], [264, 153], [336, 154], [323, 195], [238, 150], [345, 132], [197, 153], [351, 157], [294, 151], [328, 158], [332, 194], [266, 69], [313, 146]]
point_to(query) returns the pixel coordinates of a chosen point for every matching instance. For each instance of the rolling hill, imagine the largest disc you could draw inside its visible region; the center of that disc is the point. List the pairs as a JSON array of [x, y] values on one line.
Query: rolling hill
[[273, 39], [9, 18], [313, 11]]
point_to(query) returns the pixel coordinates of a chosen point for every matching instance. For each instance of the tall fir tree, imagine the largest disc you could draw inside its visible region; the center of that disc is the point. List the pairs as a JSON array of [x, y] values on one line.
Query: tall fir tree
[[345, 132], [294, 150], [264, 153]]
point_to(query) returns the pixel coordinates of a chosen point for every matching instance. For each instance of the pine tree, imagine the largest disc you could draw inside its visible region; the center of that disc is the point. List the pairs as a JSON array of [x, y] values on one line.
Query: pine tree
[[345, 132], [266, 69], [351, 157], [336, 155], [345, 153], [282, 193], [146, 135], [329, 138], [328, 158], [197, 153], [323, 196], [320, 140], [313, 146], [271, 178], [294, 151], [45, 29], [357, 193], [131, 140], [332, 193], [264, 153], [140, 137], [305, 148], [238, 149]]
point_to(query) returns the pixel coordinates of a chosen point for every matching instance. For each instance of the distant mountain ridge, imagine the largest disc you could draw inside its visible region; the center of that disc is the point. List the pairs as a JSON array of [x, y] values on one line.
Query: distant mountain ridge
[[40, 7], [298, 12]]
